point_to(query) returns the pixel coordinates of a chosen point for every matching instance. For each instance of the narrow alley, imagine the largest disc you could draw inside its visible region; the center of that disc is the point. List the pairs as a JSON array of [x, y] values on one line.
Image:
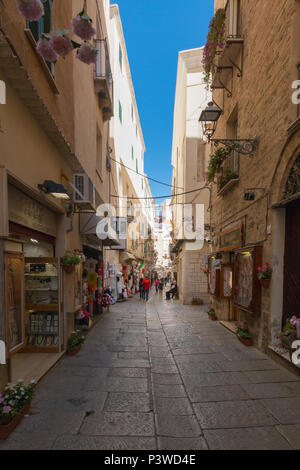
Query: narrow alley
[[162, 376]]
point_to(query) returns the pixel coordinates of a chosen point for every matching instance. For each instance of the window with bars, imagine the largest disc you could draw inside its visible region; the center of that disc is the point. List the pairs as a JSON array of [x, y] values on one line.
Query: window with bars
[[43, 26]]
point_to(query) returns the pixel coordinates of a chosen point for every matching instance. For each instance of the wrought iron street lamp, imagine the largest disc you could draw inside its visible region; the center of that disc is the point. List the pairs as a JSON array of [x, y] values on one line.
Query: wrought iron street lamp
[[209, 119]]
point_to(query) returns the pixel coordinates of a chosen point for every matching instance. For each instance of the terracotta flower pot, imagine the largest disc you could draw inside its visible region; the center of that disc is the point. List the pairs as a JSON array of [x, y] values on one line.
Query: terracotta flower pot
[[197, 303], [246, 341], [212, 317], [265, 283], [7, 429], [73, 352], [69, 269]]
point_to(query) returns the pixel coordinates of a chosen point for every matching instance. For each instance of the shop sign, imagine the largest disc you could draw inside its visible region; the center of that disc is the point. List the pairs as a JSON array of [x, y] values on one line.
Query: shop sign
[[231, 239], [24, 210]]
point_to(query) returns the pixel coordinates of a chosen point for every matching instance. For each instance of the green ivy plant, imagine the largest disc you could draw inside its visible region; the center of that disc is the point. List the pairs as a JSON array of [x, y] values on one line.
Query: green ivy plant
[[214, 42], [216, 160]]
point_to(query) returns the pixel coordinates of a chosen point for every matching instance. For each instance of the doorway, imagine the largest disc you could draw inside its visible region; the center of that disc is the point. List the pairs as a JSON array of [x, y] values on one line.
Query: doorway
[[291, 292]]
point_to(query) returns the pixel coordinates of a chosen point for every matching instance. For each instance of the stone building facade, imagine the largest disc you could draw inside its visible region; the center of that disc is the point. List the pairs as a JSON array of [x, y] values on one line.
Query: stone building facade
[[253, 86], [53, 129], [189, 161]]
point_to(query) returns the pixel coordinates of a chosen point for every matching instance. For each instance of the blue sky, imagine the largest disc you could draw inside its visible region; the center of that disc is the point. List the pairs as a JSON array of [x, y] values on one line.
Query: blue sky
[[155, 32]]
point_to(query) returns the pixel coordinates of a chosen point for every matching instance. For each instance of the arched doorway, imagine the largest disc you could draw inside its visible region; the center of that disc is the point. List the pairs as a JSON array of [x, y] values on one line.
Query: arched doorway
[[291, 287]]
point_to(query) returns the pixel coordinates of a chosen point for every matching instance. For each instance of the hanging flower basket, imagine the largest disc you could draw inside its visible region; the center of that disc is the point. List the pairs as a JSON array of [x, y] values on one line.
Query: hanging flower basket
[[69, 262]]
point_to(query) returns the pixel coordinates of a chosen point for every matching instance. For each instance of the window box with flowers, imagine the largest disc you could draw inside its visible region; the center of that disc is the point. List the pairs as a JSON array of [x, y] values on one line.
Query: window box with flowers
[[14, 405]]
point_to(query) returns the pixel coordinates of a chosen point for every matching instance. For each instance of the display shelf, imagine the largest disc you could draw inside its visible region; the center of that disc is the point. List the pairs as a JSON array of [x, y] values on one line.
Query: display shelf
[[39, 307]]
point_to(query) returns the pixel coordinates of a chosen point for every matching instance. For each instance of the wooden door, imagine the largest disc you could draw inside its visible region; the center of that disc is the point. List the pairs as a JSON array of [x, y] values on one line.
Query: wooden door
[[291, 293], [14, 296]]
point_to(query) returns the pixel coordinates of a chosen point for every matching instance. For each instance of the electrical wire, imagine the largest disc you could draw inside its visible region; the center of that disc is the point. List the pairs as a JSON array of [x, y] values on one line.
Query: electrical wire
[[144, 176], [159, 197]]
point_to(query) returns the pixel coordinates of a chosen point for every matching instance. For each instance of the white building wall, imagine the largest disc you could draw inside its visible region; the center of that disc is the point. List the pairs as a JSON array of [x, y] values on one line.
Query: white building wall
[[128, 138]]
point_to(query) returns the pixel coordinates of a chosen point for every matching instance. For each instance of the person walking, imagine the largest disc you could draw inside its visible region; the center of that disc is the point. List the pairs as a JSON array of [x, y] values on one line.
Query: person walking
[[156, 285], [161, 287], [141, 288], [146, 286]]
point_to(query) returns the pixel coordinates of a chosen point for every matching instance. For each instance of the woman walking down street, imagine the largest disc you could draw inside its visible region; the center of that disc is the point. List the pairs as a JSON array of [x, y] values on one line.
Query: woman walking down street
[[156, 285], [141, 288]]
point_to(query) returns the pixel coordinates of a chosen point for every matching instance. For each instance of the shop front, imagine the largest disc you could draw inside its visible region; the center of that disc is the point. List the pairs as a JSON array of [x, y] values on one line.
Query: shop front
[[232, 278], [34, 310]]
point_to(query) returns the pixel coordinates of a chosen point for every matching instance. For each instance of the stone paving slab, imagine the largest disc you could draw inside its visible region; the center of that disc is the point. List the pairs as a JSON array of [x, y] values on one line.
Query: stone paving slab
[[118, 384], [172, 406], [233, 414], [104, 443], [236, 366], [166, 379], [285, 410], [217, 393], [128, 402], [291, 434], [29, 441], [118, 424], [261, 438], [53, 422], [272, 390], [271, 376], [165, 390], [177, 426], [130, 372], [214, 379], [175, 443]]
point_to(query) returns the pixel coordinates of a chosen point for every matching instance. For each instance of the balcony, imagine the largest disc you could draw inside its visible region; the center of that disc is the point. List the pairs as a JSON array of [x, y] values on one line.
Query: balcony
[[229, 174], [103, 80], [230, 58]]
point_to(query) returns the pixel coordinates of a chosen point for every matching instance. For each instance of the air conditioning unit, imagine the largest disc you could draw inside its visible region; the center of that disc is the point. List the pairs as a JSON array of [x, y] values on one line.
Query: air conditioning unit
[[84, 192]]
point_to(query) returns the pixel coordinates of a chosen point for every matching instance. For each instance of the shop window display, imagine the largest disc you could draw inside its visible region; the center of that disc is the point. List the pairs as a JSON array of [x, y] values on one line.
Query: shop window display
[[227, 281], [247, 293], [214, 276], [42, 302]]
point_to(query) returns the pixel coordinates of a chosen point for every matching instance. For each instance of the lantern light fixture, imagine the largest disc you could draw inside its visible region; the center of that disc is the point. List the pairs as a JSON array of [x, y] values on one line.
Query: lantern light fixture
[[209, 119]]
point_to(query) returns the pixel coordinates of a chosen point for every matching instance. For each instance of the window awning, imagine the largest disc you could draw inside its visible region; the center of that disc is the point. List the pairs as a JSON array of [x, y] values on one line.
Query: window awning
[[88, 226]]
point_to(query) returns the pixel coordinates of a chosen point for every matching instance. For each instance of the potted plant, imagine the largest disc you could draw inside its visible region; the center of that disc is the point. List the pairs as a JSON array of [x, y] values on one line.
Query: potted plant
[[14, 405], [212, 314], [243, 334], [205, 270], [196, 301], [215, 162], [74, 343], [69, 262], [265, 274]]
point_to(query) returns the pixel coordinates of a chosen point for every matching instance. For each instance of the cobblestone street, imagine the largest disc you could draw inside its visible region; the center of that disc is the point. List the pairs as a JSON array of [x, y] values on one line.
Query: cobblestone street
[[162, 376]]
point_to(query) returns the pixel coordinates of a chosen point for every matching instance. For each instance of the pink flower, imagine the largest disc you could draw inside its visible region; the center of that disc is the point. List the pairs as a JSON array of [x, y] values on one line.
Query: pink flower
[[259, 269], [87, 53], [32, 10], [82, 27], [6, 409], [61, 44], [45, 49]]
